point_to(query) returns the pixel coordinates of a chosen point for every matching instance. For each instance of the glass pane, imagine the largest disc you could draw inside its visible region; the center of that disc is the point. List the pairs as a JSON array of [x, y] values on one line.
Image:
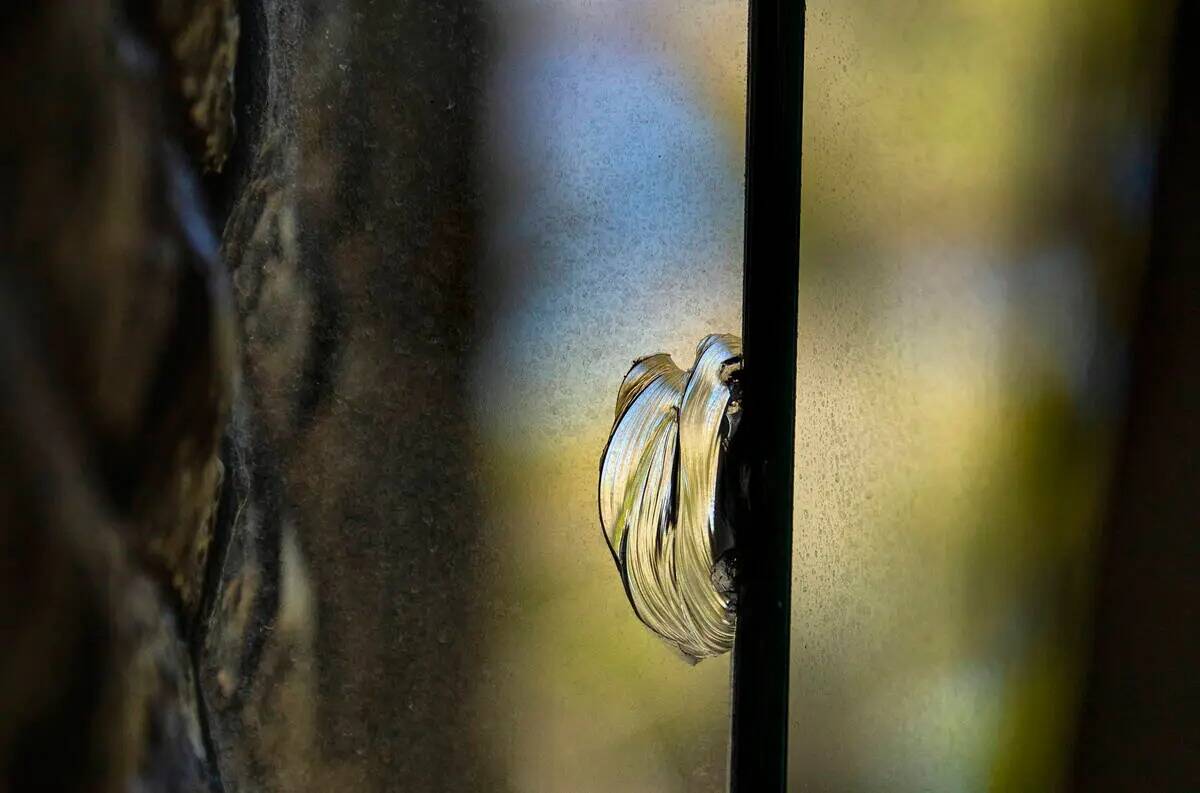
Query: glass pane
[[615, 155], [975, 195]]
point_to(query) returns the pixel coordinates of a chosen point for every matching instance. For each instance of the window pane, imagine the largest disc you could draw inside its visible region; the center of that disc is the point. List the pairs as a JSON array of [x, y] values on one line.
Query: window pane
[[615, 155], [975, 197]]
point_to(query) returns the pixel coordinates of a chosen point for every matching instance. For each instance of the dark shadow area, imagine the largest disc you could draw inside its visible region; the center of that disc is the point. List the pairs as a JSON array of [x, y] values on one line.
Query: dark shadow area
[[1140, 722]]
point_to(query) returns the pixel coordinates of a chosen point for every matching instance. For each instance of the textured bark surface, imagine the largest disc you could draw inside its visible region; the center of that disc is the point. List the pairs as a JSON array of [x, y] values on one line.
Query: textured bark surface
[[239, 520], [341, 654], [116, 340], [200, 38]]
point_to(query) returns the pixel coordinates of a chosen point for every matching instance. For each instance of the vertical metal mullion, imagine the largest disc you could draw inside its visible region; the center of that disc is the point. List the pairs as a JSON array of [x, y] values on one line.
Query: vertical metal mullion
[[766, 439]]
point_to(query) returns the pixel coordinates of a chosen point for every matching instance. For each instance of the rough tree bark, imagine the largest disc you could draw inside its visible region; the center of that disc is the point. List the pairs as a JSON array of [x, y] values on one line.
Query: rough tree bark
[[237, 514], [116, 342], [351, 237]]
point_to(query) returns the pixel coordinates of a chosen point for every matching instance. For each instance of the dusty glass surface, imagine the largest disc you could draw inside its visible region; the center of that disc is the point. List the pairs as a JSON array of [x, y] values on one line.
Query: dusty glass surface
[[976, 178], [614, 157]]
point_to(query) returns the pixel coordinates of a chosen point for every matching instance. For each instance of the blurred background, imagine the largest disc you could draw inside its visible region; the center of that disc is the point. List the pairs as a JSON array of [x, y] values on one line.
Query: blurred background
[[976, 190], [977, 179]]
